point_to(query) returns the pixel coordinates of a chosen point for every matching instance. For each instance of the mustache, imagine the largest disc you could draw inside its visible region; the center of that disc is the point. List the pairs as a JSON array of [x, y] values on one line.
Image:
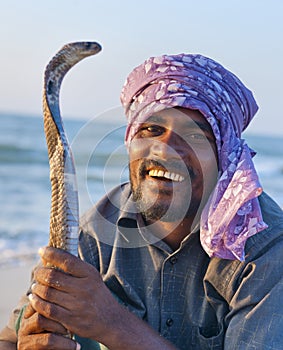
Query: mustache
[[175, 166]]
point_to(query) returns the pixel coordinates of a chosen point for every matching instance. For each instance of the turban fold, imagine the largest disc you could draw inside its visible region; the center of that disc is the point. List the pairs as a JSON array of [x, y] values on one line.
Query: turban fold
[[232, 213]]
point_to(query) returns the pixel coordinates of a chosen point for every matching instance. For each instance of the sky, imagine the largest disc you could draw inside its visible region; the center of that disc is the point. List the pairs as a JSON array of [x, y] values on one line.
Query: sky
[[243, 35]]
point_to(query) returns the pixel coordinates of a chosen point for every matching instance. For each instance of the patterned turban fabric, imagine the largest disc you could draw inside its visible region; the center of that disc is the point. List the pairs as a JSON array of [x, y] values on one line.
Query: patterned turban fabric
[[232, 213]]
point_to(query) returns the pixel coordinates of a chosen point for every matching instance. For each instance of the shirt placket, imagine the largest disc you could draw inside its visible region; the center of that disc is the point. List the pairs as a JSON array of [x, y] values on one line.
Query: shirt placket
[[170, 295]]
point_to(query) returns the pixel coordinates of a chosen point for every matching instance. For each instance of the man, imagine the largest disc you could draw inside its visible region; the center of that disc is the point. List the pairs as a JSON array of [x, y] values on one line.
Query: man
[[186, 256]]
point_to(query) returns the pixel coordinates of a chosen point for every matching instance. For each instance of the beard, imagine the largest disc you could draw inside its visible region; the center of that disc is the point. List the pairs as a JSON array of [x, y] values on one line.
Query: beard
[[154, 208], [153, 211]]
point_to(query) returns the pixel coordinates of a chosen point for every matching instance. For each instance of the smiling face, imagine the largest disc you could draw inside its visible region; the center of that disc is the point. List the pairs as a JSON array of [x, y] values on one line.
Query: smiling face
[[173, 165]]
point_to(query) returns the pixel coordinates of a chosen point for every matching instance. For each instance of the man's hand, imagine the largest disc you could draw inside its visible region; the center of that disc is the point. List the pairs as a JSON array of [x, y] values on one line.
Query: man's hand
[[71, 296], [38, 332]]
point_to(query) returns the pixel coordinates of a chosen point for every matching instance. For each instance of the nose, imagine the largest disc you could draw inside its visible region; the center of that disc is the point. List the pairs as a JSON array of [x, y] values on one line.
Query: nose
[[170, 146]]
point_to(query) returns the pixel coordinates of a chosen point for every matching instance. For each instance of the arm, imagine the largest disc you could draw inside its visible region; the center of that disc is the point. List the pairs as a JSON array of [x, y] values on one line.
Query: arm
[[74, 297], [8, 339], [8, 336], [5, 345]]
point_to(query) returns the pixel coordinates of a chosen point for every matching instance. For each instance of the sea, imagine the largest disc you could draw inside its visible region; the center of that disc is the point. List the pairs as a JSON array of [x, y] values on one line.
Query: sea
[[101, 163]]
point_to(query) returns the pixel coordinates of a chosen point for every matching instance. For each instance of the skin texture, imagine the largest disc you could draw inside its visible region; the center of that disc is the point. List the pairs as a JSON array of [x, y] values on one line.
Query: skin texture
[[72, 298], [179, 141]]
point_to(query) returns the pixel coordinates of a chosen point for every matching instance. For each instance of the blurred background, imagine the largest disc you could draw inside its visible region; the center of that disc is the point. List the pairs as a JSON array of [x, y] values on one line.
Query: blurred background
[[245, 36]]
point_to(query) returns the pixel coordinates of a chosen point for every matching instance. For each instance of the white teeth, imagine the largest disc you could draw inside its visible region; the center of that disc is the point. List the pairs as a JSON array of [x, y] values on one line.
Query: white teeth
[[171, 176], [167, 175]]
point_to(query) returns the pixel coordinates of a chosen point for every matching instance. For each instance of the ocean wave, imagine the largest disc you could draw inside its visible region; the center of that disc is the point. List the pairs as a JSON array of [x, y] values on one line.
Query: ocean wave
[[19, 155], [18, 247], [101, 161]]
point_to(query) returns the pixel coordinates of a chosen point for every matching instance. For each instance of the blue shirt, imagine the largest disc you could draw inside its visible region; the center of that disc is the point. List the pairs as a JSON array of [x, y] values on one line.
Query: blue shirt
[[192, 300]]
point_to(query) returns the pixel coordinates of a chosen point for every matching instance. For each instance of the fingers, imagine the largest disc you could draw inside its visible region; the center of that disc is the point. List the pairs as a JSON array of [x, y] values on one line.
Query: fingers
[[52, 295], [48, 310], [54, 278], [45, 341], [70, 273], [29, 311], [64, 261], [37, 323], [38, 332]]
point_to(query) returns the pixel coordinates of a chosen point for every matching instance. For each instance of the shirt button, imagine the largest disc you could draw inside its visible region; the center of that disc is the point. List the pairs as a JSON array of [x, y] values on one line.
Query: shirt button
[[169, 322], [173, 260]]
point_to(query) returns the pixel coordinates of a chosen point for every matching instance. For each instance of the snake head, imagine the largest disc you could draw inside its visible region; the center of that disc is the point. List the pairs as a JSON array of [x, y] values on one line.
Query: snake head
[[62, 62], [81, 49]]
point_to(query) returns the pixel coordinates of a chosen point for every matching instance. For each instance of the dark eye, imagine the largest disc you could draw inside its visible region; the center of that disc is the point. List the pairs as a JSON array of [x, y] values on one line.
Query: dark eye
[[197, 137], [150, 131]]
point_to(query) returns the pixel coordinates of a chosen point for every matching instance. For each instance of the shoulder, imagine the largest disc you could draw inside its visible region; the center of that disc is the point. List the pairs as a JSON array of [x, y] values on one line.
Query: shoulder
[[109, 207], [98, 226], [273, 235], [263, 253]]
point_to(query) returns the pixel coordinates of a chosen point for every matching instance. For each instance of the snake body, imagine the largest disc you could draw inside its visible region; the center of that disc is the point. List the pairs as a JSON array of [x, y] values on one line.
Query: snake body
[[64, 215]]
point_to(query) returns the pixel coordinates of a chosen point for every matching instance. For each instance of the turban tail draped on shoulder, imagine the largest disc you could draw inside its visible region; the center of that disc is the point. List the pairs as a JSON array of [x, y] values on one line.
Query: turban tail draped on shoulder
[[232, 213]]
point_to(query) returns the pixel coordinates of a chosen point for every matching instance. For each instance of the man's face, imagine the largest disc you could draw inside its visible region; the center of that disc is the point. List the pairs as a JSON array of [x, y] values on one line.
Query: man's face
[[173, 165]]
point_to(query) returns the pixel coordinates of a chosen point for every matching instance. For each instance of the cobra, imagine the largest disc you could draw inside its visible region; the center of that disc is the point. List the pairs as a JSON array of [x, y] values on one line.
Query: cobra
[[64, 214]]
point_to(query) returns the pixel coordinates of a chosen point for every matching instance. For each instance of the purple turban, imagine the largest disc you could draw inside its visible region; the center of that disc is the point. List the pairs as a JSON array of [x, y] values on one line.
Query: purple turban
[[232, 213]]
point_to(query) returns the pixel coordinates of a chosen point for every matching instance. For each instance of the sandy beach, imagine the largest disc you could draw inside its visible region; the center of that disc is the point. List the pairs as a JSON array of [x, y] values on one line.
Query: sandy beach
[[14, 282]]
